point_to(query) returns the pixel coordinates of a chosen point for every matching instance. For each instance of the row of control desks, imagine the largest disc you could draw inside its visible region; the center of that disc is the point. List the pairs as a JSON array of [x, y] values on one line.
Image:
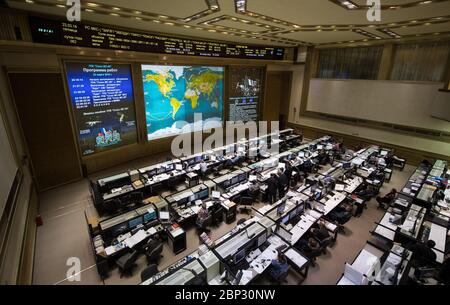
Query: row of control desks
[[122, 184], [426, 194]]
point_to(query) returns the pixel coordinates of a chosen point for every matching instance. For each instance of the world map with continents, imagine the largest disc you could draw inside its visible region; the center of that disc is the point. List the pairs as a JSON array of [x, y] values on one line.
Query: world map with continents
[[173, 94]]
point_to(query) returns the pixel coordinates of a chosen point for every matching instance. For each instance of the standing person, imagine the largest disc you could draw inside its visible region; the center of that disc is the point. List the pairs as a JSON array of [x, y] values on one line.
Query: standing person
[[288, 172], [283, 183], [272, 184]]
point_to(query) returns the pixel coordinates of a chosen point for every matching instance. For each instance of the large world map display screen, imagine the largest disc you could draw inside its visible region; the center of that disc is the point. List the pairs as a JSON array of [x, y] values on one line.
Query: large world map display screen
[[176, 97]]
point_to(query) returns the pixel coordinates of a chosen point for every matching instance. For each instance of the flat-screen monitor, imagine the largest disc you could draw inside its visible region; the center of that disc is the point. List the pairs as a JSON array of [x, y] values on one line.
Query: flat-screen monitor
[[261, 240], [119, 229], [285, 219], [300, 208], [239, 256], [149, 216], [182, 201], [151, 172], [198, 159], [103, 105], [234, 180], [169, 167], [242, 177], [292, 214], [178, 166], [226, 184], [160, 170], [191, 198], [135, 222], [347, 165], [244, 93], [280, 208], [190, 161], [180, 99], [215, 194], [203, 194]]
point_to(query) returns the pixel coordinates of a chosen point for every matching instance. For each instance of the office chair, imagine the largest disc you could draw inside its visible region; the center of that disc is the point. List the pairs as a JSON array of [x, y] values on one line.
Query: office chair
[[136, 197], [172, 183], [203, 224], [241, 221], [148, 272], [245, 202], [217, 216], [126, 263], [153, 250], [281, 277], [111, 207], [326, 242]]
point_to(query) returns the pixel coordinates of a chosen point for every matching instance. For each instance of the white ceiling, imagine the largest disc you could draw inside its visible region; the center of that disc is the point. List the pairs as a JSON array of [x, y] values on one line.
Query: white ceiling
[[268, 22]]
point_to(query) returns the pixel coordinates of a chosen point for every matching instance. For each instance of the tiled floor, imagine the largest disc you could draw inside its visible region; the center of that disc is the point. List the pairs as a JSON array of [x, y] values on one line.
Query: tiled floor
[[64, 235]]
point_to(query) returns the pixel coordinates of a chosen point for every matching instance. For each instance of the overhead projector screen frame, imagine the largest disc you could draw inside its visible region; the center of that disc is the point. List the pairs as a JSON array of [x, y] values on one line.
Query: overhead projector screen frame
[[223, 96], [73, 118]]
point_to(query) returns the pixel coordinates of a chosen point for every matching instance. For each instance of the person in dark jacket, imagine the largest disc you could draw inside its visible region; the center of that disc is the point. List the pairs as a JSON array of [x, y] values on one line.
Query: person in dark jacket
[[384, 202], [283, 183], [423, 254], [288, 172], [272, 185]]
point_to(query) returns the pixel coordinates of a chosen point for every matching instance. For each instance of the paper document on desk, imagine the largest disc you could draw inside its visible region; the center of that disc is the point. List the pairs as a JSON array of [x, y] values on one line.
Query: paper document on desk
[[195, 209], [151, 231], [109, 250]]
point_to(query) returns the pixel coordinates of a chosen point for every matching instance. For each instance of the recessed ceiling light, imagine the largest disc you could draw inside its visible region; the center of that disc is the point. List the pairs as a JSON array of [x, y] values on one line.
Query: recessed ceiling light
[[89, 10], [116, 8], [212, 30], [168, 23], [319, 30], [138, 12], [296, 26], [138, 18], [114, 14], [187, 26], [427, 23], [162, 16], [60, 5], [392, 23], [425, 2], [225, 33], [29, 1], [92, 4], [436, 33], [413, 21], [156, 21]]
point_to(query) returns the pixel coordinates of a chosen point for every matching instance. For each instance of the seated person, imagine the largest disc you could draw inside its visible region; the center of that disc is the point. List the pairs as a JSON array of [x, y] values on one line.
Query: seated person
[[321, 232], [202, 214], [253, 189], [423, 255], [307, 246], [384, 202], [444, 272], [279, 266], [367, 192]]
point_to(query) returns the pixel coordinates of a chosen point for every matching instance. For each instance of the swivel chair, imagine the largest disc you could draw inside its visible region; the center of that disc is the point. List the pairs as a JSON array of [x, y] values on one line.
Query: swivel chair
[[126, 263], [153, 250], [148, 272]]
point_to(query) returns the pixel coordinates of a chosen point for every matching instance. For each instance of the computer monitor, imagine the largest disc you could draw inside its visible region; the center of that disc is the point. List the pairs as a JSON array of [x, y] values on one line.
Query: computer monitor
[[198, 159], [203, 194], [261, 240], [292, 214], [285, 219], [160, 170], [226, 184], [149, 216], [347, 165], [119, 229], [280, 208], [190, 161], [135, 222], [239, 256], [178, 166], [169, 167], [151, 172], [317, 195], [182, 201], [215, 194], [300, 208], [234, 180], [191, 198], [242, 177]]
